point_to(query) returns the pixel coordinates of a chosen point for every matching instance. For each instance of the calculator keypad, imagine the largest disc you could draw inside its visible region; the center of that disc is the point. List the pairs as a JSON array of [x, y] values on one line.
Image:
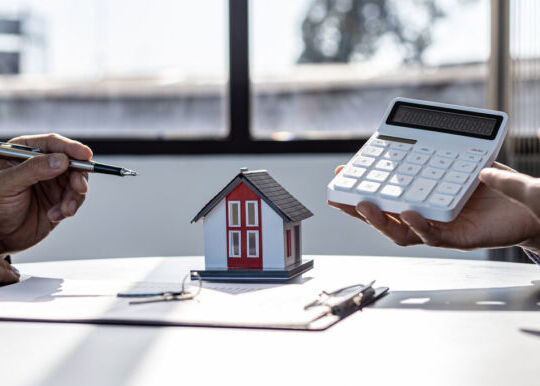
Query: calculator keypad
[[418, 174]]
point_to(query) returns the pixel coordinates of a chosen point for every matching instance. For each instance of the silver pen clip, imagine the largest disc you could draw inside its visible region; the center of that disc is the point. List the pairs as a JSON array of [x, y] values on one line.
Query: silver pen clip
[[20, 147]]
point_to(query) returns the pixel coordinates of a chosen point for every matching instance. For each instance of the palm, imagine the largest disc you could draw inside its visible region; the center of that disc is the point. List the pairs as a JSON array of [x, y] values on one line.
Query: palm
[[488, 220]]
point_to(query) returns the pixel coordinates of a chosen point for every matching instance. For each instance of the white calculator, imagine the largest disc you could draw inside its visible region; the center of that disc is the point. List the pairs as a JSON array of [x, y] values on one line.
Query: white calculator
[[425, 156]]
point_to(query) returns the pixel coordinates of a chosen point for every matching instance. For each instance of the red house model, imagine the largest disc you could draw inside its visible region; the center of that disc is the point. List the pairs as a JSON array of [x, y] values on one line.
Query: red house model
[[253, 231]]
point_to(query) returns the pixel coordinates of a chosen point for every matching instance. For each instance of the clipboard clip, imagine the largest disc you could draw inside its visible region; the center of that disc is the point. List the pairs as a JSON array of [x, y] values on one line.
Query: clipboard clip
[[346, 300]]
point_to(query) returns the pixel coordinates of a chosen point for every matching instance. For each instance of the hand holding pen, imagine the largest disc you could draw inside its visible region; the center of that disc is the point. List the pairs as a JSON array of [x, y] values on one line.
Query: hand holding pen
[[39, 192]]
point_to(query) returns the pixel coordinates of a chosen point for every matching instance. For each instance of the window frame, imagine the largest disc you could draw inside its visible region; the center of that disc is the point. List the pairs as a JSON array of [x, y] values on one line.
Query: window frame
[[230, 211], [257, 250], [239, 139], [256, 203], [231, 248]]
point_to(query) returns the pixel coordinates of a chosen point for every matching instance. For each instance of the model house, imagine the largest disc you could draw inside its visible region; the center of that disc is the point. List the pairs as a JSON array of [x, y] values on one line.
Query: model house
[[253, 223]]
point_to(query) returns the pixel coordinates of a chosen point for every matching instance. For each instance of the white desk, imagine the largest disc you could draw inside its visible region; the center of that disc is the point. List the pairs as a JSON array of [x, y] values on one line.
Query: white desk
[[440, 335]]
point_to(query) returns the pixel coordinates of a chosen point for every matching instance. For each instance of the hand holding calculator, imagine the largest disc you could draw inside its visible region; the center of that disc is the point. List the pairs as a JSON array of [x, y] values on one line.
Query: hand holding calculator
[[425, 156]]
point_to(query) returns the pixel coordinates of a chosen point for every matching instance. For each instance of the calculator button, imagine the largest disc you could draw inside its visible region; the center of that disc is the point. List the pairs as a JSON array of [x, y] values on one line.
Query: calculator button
[[477, 151], [420, 189], [424, 150], [379, 142], [391, 191], [400, 146], [372, 151], [351, 171], [386, 165], [470, 157], [419, 159], [448, 188], [440, 200], [463, 166], [395, 155], [409, 169], [344, 183], [400, 179], [368, 186], [441, 163], [363, 161], [459, 178], [432, 173], [377, 175], [447, 154]]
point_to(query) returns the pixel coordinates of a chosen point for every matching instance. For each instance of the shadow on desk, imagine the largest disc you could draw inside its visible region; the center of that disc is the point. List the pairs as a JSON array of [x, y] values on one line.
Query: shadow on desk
[[522, 298]]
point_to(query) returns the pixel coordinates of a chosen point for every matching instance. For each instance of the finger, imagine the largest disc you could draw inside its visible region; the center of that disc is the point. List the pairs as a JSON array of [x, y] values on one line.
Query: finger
[[71, 202], [498, 165], [8, 274], [40, 168], [348, 209], [54, 143], [78, 182], [399, 232], [338, 169], [428, 233], [516, 186]]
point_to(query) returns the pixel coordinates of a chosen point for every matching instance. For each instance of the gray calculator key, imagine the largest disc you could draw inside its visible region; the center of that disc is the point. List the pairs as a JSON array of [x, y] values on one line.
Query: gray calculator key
[[432, 173], [440, 162], [440, 200], [470, 157], [351, 171], [400, 179], [424, 149], [400, 146], [377, 175], [372, 151], [368, 186], [459, 178], [395, 155], [415, 158], [447, 153], [344, 183], [386, 164], [463, 166], [379, 142], [392, 191], [419, 190], [363, 161], [448, 188], [409, 169]]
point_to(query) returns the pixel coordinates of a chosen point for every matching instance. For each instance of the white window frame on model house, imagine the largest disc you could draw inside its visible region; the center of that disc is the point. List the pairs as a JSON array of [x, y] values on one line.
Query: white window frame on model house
[[256, 233], [256, 214], [239, 214], [231, 246]]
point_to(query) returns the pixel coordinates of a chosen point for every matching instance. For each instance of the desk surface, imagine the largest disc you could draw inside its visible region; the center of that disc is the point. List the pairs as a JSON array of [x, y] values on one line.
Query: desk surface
[[445, 322]]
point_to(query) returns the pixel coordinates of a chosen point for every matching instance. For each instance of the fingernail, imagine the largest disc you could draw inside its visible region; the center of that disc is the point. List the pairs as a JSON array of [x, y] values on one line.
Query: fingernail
[[84, 182], [72, 207], [15, 271], [55, 214], [55, 161]]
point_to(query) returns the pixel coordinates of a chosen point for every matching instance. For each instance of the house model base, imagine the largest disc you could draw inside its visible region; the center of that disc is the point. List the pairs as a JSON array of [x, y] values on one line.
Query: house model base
[[255, 275]]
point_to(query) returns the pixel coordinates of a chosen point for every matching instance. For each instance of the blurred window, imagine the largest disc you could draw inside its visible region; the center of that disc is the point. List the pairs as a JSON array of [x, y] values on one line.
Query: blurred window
[[329, 68], [114, 69]]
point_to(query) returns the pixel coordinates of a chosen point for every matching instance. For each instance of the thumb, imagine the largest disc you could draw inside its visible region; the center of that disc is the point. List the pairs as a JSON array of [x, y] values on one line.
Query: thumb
[[40, 168]]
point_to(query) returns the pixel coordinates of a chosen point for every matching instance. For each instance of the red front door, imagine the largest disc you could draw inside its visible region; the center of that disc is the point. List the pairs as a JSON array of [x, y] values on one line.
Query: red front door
[[244, 237]]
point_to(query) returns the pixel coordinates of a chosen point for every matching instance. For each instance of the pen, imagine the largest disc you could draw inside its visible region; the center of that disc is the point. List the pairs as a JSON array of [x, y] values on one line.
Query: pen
[[21, 152]]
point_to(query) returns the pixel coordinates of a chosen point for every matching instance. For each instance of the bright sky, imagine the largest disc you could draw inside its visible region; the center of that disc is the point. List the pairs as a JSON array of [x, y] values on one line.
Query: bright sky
[[189, 38]]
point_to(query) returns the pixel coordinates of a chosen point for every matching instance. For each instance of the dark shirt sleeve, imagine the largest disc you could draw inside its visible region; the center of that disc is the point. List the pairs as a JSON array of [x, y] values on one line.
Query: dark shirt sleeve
[[533, 256]]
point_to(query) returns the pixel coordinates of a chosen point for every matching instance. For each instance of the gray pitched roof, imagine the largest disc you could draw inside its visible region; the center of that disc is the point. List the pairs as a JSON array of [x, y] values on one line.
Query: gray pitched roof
[[269, 190]]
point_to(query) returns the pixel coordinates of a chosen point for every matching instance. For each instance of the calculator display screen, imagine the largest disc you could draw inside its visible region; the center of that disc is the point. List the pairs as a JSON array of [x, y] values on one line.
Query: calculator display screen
[[445, 120]]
